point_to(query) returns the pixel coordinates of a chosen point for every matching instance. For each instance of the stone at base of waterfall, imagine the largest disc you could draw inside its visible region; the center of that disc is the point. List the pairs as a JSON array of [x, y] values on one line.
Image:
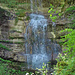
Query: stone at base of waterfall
[[19, 57]]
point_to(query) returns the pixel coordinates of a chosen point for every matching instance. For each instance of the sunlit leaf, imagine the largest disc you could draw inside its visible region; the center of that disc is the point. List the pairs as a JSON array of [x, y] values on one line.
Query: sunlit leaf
[[49, 11], [50, 15], [50, 4], [56, 11]]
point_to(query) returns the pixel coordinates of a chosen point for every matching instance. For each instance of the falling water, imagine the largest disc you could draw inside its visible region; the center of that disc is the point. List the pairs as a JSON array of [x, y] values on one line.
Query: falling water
[[31, 5], [35, 4], [35, 40]]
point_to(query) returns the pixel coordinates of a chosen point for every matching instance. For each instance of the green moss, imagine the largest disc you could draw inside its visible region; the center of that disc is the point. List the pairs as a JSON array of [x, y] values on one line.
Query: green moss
[[61, 43], [70, 9], [16, 37], [6, 41], [3, 60], [11, 42], [20, 12], [27, 18], [2, 46]]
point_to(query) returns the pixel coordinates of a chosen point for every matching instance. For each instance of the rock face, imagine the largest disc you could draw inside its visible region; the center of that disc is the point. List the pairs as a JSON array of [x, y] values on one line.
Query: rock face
[[11, 55], [12, 36], [6, 54], [19, 57]]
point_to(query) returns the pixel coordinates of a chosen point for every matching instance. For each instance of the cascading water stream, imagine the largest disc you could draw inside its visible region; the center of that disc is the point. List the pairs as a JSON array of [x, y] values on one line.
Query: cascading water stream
[[31, 5], [35, 40], [35, 4]]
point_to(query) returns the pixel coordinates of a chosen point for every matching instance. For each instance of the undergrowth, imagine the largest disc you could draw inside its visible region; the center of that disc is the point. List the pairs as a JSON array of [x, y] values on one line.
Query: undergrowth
[[6, 69]]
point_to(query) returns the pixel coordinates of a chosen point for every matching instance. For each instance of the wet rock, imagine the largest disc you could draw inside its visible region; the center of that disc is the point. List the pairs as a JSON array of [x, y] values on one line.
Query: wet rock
[[1, 53], [19, 57], [11, 55], [16, 34], [8, 54], [51, 35]]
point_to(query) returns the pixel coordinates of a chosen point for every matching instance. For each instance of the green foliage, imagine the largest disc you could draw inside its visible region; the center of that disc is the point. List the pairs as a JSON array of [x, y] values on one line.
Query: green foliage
[[66, 63], [70, 44], [11, 42], [20, 13], [43, 71], [52, 12], [70, 12], [6, 61], [65, 66], [6, 69], [72, 25], [3, 69], [9, 3], [70, 9], [16, 20]]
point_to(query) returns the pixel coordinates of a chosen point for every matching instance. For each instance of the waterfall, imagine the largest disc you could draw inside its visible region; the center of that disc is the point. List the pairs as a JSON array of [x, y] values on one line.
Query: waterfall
[[35, 4], [36, 43], [35, 39], [31, 5]]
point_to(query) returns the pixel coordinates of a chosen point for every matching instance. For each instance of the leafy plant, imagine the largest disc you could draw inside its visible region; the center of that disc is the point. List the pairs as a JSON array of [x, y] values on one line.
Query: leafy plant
[[51, 12], [43, 71], [6, 69], [70, 44], [70, 9], [72, 18], [66, 63], [65, 66]]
